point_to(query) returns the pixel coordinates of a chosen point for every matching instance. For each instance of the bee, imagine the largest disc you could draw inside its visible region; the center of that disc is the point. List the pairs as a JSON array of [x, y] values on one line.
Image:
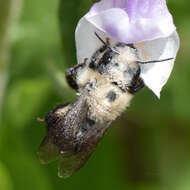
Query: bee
[[105, 85]]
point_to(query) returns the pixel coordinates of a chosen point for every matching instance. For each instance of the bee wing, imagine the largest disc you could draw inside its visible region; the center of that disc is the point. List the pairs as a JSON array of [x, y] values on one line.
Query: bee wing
[[70, 163], [48, 151]]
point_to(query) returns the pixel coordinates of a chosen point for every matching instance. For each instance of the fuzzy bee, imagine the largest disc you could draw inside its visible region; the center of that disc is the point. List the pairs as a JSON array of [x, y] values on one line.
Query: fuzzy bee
[[105, 85]]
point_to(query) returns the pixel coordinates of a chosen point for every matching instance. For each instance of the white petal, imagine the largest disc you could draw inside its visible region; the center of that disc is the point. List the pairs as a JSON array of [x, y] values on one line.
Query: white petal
[[86, 41], [155, 75]]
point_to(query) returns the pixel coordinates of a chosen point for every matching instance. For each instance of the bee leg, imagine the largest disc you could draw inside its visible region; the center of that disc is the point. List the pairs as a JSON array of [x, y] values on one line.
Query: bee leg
[[93, 63], [106, 45], [71, 72], [140, 85]]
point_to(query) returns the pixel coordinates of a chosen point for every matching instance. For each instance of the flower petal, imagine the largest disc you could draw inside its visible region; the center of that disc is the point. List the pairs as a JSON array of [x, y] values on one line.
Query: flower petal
[[155, 75], [86, 41], [133, 20]]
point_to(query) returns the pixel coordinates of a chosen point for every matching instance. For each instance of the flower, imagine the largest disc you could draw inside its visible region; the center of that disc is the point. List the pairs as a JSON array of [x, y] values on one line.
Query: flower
[[145, 23]]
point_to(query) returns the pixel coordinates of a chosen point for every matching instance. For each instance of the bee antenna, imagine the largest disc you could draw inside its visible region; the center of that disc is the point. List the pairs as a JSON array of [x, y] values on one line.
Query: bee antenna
[[100, 39], [155, 61], [106, 43]]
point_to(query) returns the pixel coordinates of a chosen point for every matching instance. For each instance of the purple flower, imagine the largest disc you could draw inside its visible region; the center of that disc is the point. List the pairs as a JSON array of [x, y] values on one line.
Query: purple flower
[[145, 23]]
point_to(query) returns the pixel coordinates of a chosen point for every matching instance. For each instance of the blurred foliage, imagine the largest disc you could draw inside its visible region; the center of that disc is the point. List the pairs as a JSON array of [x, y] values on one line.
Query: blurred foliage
[[146, 149]]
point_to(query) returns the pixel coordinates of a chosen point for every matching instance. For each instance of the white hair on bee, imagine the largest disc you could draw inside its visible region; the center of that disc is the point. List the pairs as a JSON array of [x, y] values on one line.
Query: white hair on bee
[[106, 101]]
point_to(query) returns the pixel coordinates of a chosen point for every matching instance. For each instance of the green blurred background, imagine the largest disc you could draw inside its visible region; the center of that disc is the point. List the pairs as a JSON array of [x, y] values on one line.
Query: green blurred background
[[148, 148]]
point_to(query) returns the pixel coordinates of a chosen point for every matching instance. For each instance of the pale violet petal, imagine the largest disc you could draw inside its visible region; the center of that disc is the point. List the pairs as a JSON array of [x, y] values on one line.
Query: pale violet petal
[[134, 8], [99, 7], [155, 75], [116, 23], [147, 9], [133, 20]]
